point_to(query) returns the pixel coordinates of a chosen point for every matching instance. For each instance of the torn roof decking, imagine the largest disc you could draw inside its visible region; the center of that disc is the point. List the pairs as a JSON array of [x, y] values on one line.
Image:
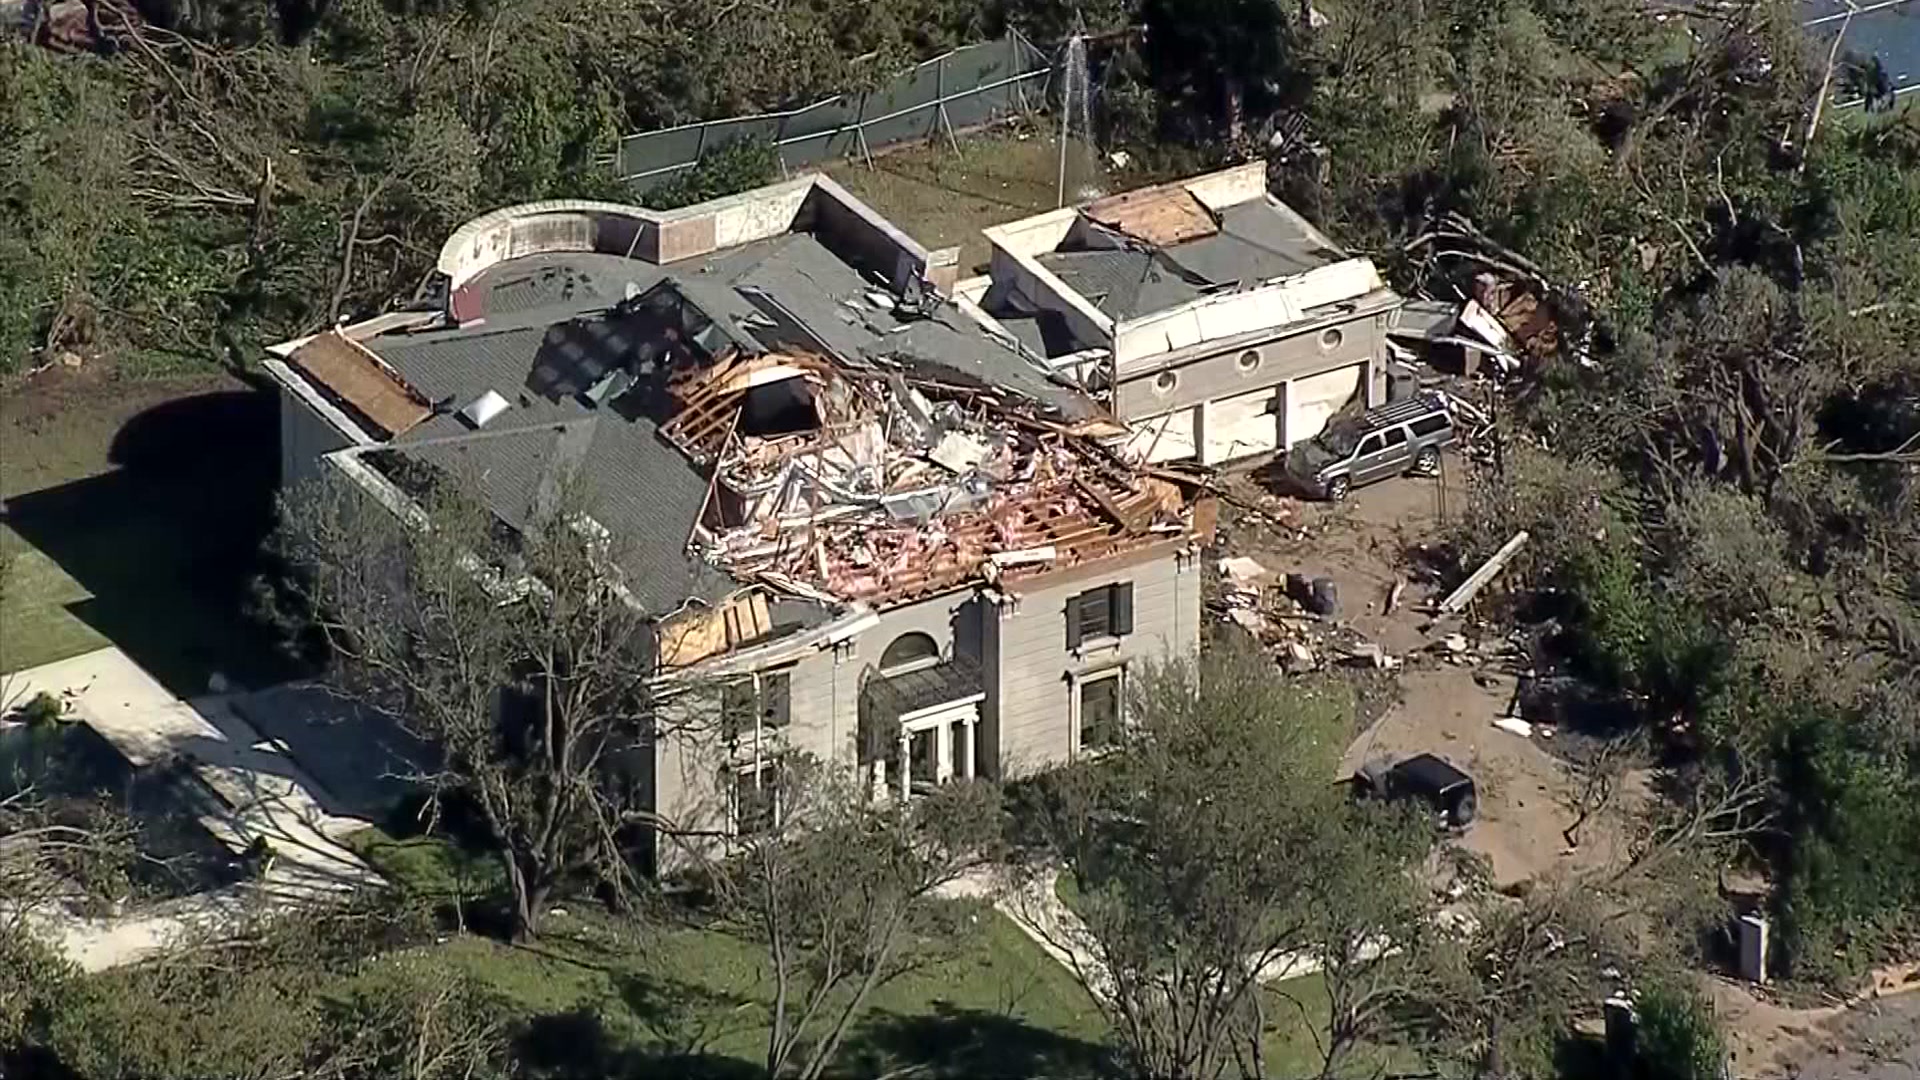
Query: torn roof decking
[[555, 324], [355, 376], [1126, 277]]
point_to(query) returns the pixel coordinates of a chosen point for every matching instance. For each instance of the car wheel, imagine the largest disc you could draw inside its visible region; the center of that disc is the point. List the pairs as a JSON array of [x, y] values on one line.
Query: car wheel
[[1338, 487], [1428, 463]]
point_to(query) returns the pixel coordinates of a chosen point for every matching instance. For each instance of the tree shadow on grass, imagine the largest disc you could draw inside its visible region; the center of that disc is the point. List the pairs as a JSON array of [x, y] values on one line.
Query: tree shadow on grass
[[168, 542], [577, 1045], [959, 1042]]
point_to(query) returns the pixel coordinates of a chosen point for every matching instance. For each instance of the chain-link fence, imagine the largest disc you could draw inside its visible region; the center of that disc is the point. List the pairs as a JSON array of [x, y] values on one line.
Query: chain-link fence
[[965, 88]]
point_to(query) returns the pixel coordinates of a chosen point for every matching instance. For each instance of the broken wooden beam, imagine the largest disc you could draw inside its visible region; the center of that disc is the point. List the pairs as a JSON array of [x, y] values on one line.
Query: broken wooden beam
[[1470, 588]]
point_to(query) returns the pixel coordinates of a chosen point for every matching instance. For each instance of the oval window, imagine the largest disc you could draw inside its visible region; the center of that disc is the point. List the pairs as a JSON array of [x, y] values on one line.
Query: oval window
[[1164, 382], [1331, 337], [1249, 361]]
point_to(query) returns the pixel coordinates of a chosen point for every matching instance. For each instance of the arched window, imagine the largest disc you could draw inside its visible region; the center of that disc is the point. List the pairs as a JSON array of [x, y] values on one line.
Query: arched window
[[909, 652]]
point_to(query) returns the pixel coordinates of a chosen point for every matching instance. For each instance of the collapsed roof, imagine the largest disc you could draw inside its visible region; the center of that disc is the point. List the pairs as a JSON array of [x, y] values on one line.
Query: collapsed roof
[[772, 414]]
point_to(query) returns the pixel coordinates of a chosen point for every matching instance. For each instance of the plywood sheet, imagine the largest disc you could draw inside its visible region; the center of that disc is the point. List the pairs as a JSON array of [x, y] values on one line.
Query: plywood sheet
[[1162, 216], [350, 371]]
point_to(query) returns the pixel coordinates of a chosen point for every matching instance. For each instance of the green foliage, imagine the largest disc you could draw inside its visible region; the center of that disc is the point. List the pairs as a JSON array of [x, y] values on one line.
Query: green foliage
[[1210, 843], [1678, 1037], [736, 166], [1853, 872]]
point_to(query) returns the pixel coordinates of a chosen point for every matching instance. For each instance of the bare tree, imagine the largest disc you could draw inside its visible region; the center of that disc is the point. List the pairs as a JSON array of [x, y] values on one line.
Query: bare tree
[[1206, 849], [1599, 777], [841, 891], [512, 650], [1379, 941], [1512, 980]]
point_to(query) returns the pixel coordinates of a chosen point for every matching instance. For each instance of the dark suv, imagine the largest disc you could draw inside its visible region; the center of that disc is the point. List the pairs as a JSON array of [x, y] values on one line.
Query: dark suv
[[1395, 439], [1427, 779]]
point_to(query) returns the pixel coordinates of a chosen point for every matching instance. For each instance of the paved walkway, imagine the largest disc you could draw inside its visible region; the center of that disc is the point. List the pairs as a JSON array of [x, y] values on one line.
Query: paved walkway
[[1036, 908], [264, 796]]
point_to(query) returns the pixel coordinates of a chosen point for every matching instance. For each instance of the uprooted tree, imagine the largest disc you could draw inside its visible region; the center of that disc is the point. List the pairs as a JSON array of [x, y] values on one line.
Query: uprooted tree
[[842, 893], [512, 651], [1211, 853]]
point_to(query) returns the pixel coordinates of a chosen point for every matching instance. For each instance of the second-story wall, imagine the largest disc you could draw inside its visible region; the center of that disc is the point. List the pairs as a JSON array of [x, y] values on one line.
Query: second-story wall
[[1034, 685], [1250, 364]]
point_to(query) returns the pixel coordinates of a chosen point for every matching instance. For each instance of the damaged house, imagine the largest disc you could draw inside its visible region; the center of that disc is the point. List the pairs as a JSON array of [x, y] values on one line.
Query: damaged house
[[869, 529], [1209, 317]]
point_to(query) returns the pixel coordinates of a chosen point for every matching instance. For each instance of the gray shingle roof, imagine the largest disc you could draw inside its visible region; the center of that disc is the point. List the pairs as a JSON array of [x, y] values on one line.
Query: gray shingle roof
[[552, 328], [1256, 242]]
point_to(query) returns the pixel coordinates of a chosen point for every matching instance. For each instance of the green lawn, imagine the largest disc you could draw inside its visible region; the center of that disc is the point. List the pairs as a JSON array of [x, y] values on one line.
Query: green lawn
[[37, 624], [942, 198], [692, 1001], [600, 998], [135, 510]]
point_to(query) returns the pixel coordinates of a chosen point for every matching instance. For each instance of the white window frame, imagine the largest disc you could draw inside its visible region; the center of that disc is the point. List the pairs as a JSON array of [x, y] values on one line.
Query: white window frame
[[920, 664], [1117, 673]]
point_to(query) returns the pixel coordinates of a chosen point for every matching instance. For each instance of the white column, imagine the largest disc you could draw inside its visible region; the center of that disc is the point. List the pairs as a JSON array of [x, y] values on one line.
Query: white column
[[906, 765], [967, 761], [943, 751]]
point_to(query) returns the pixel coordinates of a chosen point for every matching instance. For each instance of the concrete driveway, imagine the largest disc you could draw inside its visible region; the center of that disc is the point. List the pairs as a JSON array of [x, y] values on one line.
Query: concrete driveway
[[262, 797]]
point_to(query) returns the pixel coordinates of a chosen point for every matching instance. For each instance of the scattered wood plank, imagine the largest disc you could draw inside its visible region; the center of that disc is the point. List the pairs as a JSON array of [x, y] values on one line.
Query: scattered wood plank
[[1470, 588]]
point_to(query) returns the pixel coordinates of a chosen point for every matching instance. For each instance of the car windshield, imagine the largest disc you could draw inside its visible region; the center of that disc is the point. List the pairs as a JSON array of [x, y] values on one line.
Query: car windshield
[[1339, 439]]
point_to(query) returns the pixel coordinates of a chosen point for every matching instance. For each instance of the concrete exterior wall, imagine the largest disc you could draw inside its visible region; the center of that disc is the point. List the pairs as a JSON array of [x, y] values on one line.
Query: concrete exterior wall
[[862, 236], [1213, 376], [1138, 343], [1038, 289], [1229, 187], [823, 708], [1030, 694], [727, 222]]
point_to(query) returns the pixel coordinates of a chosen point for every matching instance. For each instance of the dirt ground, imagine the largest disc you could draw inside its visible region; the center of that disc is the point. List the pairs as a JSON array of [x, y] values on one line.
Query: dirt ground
[[1447, 705], [942, 198]]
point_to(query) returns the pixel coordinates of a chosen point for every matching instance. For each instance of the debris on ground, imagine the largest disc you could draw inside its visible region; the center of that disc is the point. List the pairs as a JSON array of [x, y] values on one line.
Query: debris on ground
[[1515, 726], [1478, 580]]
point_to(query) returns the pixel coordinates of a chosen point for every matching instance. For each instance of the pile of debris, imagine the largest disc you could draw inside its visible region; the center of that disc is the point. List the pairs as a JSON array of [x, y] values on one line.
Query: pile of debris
[[862, 484], [1293, 616]]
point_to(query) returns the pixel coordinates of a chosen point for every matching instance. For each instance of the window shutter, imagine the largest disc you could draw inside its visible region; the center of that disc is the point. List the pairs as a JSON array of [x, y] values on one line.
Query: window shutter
[[1120, 608], [736, 709], [1073, 622], [775, 694]]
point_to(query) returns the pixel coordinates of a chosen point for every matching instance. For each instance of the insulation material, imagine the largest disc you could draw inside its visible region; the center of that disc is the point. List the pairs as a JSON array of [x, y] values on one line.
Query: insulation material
[[1243, 426], [1314, 400], [885, 488]]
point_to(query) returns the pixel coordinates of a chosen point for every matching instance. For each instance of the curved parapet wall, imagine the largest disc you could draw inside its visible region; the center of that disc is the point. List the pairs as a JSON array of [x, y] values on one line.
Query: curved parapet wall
[[512, 232]]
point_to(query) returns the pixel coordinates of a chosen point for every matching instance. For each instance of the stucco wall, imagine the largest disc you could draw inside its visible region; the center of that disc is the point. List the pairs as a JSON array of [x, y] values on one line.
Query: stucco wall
[[1216, 375], [1029, 698]]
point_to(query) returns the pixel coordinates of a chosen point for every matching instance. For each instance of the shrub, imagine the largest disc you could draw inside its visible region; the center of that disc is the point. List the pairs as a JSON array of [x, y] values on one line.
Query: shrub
[[740, 165], [1678, 1037]]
